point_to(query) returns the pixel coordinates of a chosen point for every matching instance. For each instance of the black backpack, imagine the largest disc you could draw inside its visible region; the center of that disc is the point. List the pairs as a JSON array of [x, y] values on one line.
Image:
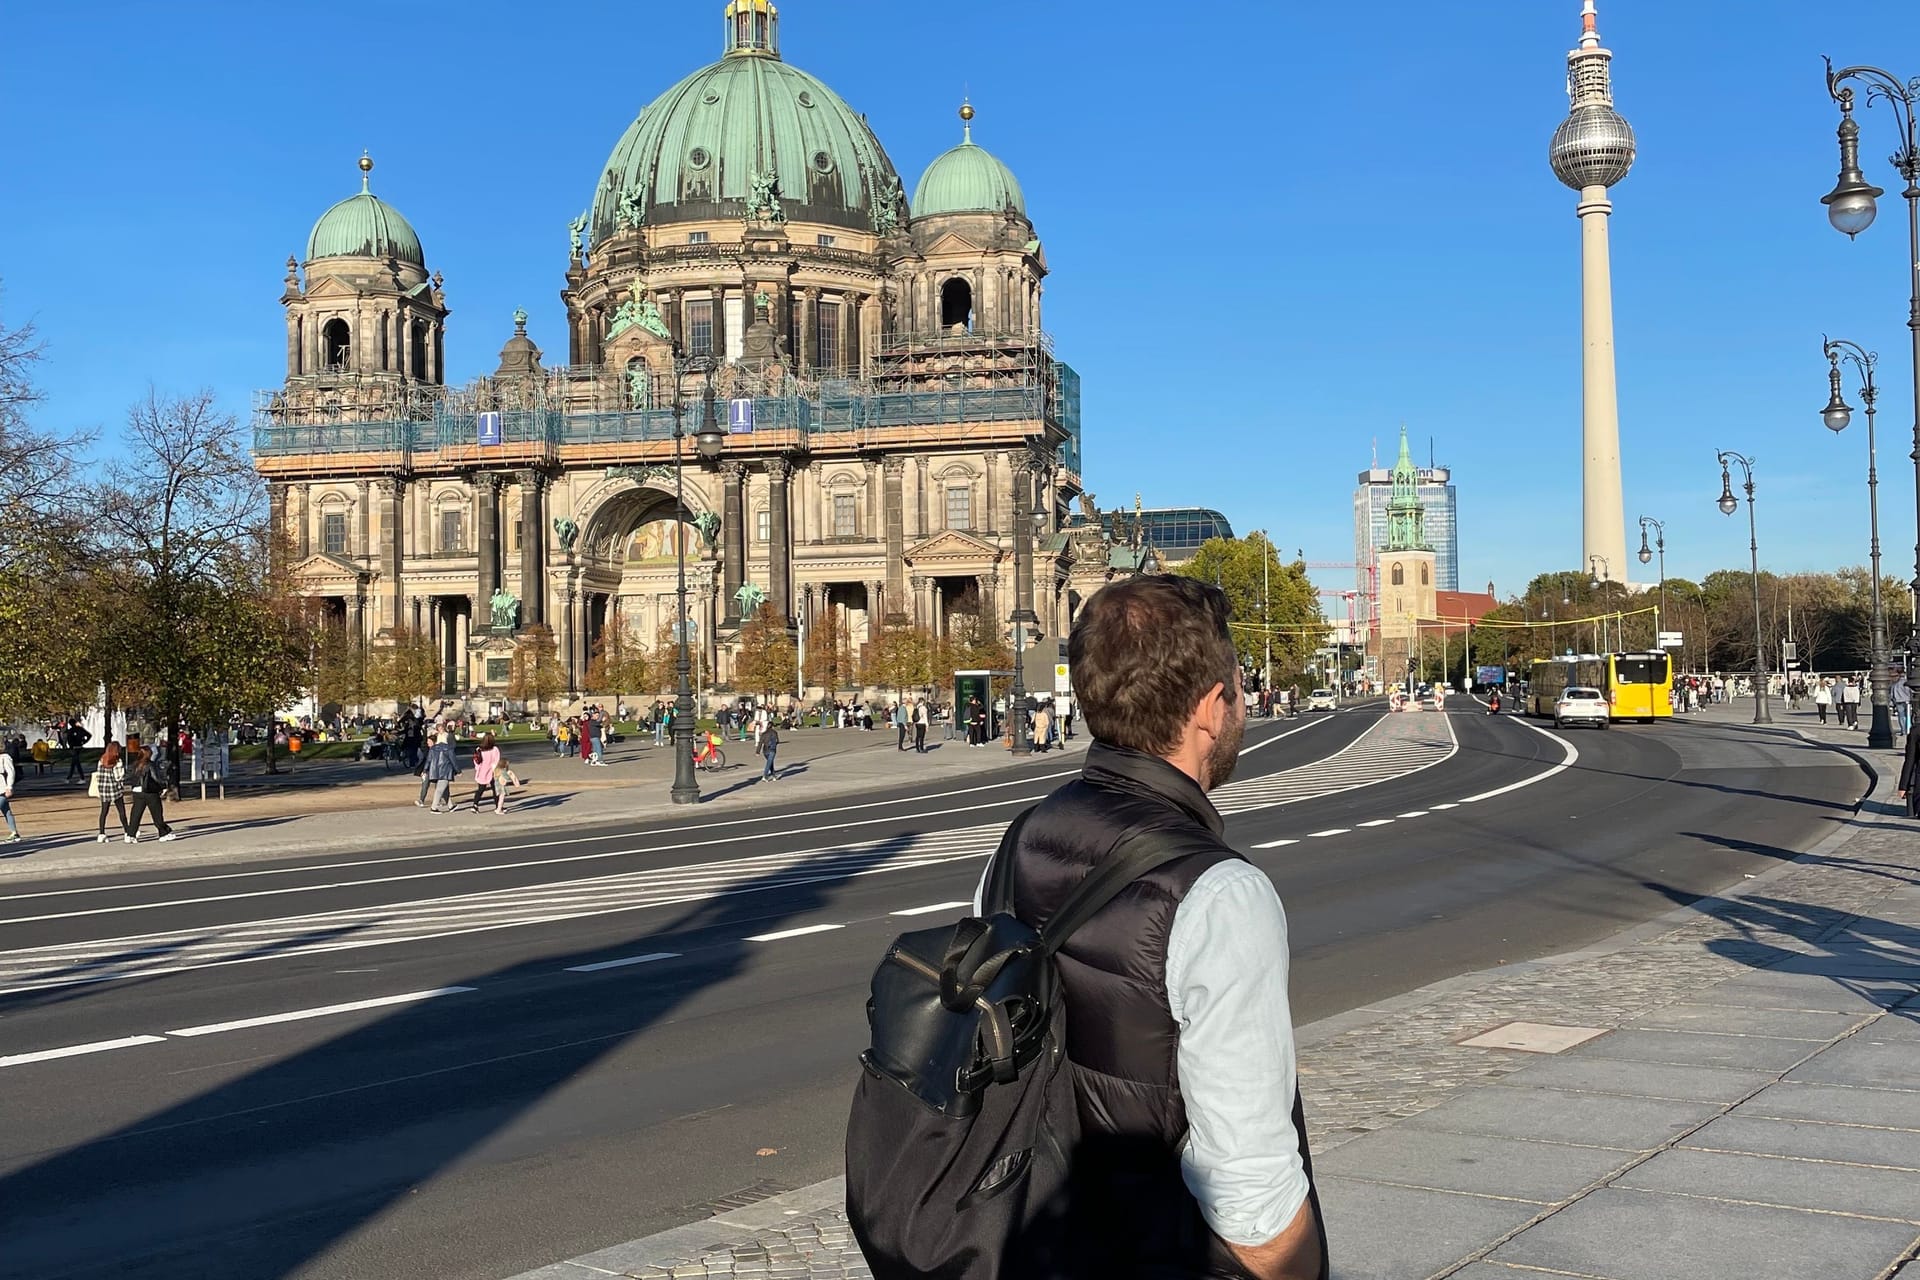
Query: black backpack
[[964, 1121]]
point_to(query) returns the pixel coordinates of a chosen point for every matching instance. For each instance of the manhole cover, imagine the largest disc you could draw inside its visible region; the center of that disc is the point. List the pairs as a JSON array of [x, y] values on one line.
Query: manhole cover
[[1534, 1037]]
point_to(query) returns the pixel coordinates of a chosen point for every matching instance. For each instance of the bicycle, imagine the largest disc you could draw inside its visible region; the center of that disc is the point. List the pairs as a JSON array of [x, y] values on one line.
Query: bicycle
[[712, 762]]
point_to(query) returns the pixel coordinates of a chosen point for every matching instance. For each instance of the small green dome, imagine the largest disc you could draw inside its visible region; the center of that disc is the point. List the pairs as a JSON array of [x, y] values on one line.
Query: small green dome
[[364, 226], [967, 179], [693, 153]]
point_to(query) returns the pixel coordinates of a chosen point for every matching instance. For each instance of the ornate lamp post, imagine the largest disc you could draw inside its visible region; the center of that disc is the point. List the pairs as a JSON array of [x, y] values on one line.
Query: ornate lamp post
[[709, 443], [1024, 557], [1837, 415], [1601, 570], [1646, 554], [1851, 210], [1728, 505]]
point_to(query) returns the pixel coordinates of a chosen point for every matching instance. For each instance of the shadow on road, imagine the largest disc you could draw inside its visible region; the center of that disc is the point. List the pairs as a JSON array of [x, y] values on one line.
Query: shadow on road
[[257, 1177]]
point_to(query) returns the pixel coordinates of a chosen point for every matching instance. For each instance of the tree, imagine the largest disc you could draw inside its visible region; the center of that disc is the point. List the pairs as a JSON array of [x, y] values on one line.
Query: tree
[[1269, 599], [831, 662], [971, 643], [537, 677], [619, 663], [664, 666], [901, 657], [337, 664], [767, 662], [403, 667]]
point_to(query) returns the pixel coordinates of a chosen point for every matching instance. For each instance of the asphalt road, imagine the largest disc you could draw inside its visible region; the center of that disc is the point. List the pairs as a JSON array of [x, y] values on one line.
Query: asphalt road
[[572, 1041]]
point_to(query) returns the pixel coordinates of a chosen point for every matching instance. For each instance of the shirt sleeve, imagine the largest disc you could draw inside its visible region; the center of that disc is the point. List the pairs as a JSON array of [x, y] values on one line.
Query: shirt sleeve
[[1226, 973]]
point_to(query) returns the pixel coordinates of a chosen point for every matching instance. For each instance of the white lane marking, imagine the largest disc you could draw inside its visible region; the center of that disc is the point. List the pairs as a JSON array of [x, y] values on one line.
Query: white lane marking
[[521, 848], [324, 1011], [622, 963], [1572, 758], [1276, 844], [936, 907], [1247, 751], [75, 1050], [1417, 813], [784, 934], [1378, 822], [1331, 831], [1391, 748], [1445, 806]]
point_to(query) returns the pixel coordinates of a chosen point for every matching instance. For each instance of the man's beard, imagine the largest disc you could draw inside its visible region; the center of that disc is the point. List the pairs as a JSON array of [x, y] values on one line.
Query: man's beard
[[1225, 756]]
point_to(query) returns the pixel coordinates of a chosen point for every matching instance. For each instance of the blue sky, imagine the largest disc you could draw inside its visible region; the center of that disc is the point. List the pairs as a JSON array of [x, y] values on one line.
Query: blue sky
[[1277, 230]]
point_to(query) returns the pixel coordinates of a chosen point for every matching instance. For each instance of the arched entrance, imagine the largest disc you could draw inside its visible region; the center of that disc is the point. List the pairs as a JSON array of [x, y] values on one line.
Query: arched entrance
[[627, 581]]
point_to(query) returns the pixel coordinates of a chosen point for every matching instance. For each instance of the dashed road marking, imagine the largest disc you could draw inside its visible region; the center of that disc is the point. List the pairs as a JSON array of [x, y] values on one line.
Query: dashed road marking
[[1378, 822], [76, 1050], [1446, 806], [623, 962], [1276, 844], [784, 934], [323, 1011], [1417, 813], [932, 910], [1331, 831]]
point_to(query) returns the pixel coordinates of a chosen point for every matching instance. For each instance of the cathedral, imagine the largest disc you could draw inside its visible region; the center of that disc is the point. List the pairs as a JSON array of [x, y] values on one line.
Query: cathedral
[[851, 387]]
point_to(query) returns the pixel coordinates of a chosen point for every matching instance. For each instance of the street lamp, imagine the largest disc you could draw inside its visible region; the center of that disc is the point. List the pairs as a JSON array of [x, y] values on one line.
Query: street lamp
[[1850, 207], [1023, 567], [709, 443], [1601, 575], [1728, 505], [1836, 416], [1646, 554]]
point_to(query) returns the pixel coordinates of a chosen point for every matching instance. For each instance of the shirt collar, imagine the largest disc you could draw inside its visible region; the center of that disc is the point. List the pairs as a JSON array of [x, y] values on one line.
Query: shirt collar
[[1125, 769]]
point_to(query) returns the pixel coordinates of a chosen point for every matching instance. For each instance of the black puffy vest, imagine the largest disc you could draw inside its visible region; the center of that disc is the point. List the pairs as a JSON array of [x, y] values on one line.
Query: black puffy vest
[[1129, 1203]]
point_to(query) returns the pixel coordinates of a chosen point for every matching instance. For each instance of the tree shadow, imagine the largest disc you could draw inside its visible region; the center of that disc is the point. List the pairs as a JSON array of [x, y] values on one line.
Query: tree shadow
[[256, 1177]]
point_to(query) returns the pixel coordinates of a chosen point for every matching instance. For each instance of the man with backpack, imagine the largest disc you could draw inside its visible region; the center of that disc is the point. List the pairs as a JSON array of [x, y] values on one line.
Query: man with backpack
[[1095, 1075]]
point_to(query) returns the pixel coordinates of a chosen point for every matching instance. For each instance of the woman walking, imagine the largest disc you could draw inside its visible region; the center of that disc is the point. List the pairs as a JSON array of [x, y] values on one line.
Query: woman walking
[[769, 744], [1822, 698], [109, 786], [486, 763], [147, 782], [6, 797], [441, 769]]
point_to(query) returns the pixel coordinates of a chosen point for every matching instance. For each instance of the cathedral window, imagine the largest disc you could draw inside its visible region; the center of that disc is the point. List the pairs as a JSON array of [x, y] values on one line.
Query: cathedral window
[[384, 325], [846, 515], [698, 237], [824, 241], [1399, 574], [956, 305], [336, 345], [959, 506], [700, 327], [333, 533], [762, 525], [453, 531], [419, 345], [827, 323], [1426, 575]]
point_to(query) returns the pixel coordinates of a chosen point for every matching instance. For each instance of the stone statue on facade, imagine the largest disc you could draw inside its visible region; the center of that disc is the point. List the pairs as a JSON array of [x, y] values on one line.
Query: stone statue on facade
[[708, 525], [632, 207], [568, 531], [886, 209], [506, 610], [763, 200], [637, 387], [642, 311], [576, 236], [750, 597]]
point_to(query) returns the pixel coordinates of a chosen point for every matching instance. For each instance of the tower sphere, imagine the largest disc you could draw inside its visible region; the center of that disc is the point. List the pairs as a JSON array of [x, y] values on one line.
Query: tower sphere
[[1593, 147]]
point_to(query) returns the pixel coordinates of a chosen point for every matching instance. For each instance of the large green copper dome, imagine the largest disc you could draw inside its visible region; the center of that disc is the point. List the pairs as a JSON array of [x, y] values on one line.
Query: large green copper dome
[[694, 153], [967, 179], [364, 226]]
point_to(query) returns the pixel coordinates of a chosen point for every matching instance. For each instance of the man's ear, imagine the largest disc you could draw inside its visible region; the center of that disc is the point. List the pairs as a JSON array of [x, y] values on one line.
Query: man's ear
[[1212, 711]]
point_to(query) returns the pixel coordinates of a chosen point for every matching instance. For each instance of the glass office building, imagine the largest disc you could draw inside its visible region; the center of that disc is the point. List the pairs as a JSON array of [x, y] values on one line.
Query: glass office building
[[1440, 501], [1175, 532]]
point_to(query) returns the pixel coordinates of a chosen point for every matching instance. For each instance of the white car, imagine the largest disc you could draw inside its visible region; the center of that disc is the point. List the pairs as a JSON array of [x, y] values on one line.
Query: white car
[[1320, 700], [1578, 704]]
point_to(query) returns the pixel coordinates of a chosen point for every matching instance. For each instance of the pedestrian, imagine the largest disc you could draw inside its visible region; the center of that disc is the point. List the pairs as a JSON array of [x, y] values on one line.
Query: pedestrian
[[900, 724], [1850, 694], [599, 740], [1909, 784], [147, 783], [42, 751], [1822, 698], [441, 769], [109, 787], [6, 798], [769, 744], [76, 737], [586, 737], [486, 763], [1042, 727], [1902, 695], [920, 720], [1186, 1082]]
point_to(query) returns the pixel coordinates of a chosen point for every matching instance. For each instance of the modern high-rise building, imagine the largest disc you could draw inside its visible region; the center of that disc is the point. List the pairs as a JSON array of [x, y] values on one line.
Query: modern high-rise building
[[1435, 488]]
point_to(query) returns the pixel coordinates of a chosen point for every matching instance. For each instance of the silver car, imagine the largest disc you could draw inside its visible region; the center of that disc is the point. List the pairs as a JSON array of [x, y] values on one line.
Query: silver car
[[1579, 704]]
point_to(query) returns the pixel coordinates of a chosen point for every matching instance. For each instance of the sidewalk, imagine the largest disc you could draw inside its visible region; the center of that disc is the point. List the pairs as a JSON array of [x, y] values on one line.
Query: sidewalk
[[334, 806], [1730, 1091]]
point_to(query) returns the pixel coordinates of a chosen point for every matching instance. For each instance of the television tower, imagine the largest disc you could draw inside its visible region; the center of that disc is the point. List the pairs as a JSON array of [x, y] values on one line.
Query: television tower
[[1592, 150]]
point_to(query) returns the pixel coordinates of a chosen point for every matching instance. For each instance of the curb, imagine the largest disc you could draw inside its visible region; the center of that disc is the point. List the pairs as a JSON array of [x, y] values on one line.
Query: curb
[[679, 1246]]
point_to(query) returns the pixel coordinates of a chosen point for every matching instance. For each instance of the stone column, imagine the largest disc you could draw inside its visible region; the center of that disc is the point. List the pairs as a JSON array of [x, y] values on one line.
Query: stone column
[[809, 353], [462, 637], [486, 524], [920, 529], [277, 519], [569, 638], [718, 300], [893, 469], [363, 521], [302, 521], [991, 512], [876, 607], [919, 602], [393, 494], [533, 568], [733, 527], [1022, 538], [780, 548]]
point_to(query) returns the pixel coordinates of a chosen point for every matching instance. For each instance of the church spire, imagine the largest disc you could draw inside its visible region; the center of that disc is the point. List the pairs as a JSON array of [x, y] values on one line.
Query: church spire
[[1406, 518]]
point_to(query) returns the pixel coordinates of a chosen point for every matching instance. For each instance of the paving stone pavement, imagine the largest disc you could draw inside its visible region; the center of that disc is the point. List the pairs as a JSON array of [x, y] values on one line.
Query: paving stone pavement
[[1751, 1110]]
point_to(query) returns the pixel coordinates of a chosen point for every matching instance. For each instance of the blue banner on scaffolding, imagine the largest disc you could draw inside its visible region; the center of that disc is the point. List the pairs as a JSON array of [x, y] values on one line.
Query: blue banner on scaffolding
[[487, 428], [740, 417]]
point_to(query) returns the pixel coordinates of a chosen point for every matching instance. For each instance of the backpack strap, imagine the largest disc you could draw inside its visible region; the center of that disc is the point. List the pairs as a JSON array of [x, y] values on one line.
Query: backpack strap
[[1134, 855], [998, 897]]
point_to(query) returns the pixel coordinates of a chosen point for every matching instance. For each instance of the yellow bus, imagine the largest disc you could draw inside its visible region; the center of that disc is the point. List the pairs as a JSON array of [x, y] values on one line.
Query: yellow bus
[[1637, 686]]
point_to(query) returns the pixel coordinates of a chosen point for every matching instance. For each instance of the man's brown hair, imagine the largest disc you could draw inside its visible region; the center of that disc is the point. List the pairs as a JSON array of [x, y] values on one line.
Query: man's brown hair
[[1143, 654]]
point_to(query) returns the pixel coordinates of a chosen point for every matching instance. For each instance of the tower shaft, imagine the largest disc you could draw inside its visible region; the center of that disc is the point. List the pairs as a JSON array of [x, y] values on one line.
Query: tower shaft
[[1604, 525]]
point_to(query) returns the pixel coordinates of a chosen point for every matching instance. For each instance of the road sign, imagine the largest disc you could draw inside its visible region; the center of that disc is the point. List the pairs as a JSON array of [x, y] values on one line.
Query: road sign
[[487, 428], [1788, 649], [1491, 675], [740, 417], [1061, 684], [1671, 640]]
